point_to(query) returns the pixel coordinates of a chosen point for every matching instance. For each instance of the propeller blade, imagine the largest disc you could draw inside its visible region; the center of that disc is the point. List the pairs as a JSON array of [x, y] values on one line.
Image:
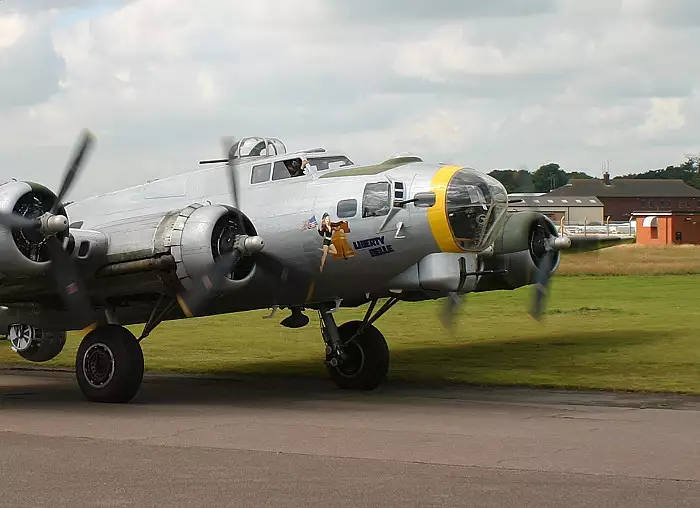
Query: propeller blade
[[16, 221], [86, 141], [287, 276], [450, 310], [192, 301], [71, 289], [542, 279], [227, 143]]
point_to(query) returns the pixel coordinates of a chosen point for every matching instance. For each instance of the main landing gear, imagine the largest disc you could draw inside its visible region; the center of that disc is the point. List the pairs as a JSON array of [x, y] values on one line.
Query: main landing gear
[[357, 355], [109, 364]]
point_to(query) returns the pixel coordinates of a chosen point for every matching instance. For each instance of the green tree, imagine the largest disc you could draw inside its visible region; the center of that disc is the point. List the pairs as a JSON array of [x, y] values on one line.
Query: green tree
[[549, 177], [514, 180], [579, 175], [688, 171]]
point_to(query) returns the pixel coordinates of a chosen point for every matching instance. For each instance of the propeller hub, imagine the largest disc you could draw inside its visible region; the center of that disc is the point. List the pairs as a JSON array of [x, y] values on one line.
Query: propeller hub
[[252, 244], [56, 223], [561, 242]]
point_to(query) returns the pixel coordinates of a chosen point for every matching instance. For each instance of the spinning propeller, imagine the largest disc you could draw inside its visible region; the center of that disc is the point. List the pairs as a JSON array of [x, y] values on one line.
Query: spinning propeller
[[545, 245], [50, 224], [544, 241]]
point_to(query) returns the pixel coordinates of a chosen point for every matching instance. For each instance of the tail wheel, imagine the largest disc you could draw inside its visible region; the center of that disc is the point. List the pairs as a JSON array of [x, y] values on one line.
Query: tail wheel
[[364, 362], [34, 344], [109, 365]]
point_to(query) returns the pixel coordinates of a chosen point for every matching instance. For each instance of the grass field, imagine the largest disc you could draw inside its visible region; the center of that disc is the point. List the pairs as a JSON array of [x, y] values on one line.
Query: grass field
[[633, 259], [639, 332]]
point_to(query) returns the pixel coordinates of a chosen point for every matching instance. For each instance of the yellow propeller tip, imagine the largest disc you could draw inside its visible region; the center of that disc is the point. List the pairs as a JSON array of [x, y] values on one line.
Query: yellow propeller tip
[[184, 307], [89, 328]]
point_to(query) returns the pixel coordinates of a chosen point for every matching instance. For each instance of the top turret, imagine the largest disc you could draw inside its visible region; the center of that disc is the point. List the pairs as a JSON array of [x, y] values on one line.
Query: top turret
[[257, 147]]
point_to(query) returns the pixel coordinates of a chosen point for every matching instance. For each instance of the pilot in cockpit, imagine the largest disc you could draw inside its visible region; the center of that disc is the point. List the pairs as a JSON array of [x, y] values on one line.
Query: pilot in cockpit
[[296, 167]]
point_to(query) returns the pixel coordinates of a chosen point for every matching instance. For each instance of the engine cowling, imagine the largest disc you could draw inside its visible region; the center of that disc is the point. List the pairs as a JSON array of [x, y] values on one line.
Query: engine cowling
[[519, 249], [23, 252], [199, 235]]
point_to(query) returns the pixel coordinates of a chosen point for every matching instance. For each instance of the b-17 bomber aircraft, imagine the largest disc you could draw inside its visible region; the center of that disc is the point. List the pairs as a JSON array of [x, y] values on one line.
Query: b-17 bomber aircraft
[[261, 228]]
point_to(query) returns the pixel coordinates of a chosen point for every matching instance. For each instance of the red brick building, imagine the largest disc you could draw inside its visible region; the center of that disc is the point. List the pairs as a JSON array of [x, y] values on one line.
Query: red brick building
[[622, 197], [668, 228]]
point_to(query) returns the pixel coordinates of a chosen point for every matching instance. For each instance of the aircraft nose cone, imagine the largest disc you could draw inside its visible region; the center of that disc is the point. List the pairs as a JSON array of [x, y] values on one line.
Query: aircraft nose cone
[[475, 205]]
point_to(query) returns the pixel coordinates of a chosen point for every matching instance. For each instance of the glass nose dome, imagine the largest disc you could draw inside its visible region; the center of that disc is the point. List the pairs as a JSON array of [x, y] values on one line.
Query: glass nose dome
[[476, 206]]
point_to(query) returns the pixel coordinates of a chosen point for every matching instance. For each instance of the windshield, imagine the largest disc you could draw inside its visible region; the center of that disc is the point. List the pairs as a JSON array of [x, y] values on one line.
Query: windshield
[[328, 162]]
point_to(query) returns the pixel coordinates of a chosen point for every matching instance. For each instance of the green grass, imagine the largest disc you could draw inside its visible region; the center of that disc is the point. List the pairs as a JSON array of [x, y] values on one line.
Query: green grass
[[622, 333]]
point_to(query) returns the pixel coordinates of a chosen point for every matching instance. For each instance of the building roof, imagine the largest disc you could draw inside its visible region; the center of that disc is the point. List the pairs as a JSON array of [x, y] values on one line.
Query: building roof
[[665, 213], [632, 188], [548, 201]]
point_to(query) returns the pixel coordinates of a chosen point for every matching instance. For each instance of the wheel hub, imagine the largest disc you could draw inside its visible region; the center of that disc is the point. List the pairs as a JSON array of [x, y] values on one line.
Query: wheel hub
[[98, 365], [349, 359], [21, 337]]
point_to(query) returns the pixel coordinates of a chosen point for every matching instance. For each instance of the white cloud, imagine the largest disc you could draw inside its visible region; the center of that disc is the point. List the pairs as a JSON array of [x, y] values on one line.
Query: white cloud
[[491, 84], [12, 27], [664, 115]]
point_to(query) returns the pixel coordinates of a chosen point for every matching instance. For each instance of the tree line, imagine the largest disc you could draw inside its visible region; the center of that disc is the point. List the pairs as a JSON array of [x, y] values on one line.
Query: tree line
[[551, 176]]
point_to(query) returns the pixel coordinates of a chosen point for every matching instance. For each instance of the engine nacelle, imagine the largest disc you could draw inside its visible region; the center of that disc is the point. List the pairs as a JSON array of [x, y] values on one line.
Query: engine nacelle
[[199, 235], [194, 237], [23, 252], [518, 250]]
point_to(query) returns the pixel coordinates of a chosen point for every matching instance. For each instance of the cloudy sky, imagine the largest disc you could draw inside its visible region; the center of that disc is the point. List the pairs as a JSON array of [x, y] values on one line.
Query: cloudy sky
[[497, 84]]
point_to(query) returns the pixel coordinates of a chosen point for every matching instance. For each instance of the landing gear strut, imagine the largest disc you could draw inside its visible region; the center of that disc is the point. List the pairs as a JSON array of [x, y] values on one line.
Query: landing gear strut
[[109, 364], [357, 355]]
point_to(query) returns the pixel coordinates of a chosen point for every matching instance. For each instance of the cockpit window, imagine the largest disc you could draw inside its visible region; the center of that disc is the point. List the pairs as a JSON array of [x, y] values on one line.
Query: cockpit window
[[290, 168], [376, 200], [474, 207], [280, 171], [324, 163]]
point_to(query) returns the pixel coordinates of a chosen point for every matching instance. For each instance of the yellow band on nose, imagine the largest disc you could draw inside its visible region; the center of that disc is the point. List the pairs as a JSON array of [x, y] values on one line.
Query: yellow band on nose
[[437, 214]]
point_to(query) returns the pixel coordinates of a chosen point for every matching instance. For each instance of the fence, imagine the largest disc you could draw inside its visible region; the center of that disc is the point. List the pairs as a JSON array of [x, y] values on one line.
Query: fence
[[612, 228]]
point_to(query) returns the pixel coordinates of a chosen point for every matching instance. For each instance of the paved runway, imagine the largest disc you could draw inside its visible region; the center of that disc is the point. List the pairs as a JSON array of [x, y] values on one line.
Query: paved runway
[[200, 442]]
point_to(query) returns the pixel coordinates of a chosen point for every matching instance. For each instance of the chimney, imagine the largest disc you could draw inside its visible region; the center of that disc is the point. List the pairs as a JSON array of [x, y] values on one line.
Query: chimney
[[606, 178]]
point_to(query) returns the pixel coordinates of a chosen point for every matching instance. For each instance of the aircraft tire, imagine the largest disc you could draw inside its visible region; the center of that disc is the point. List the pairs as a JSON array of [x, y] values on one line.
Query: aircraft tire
[[109, 365], [368, 362], [49, 348]]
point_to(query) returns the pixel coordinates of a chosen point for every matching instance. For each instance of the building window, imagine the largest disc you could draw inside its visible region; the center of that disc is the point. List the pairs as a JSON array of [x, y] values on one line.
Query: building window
[[260, 173], [376, 199], [347, 208]]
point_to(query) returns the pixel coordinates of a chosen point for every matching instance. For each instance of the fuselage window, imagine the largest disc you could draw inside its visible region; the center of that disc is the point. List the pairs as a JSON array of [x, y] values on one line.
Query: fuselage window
[[260, 173], [376, 199], [347, 208]]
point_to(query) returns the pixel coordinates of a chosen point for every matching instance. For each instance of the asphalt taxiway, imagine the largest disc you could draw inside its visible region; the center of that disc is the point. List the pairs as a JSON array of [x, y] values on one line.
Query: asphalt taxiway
[[264, 442]]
